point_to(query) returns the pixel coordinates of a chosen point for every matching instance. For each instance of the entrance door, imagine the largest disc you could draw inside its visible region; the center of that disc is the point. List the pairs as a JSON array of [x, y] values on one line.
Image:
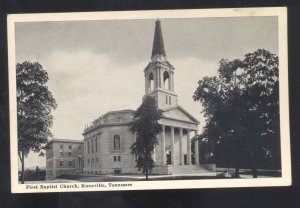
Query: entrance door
[[185, 159], [117, 172], [169, 158]]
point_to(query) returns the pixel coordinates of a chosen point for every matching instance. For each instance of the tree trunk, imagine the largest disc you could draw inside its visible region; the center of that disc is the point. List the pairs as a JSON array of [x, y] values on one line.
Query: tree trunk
[[254, 172], [237, 172], [237, 168], [22, 161], [147, 174]]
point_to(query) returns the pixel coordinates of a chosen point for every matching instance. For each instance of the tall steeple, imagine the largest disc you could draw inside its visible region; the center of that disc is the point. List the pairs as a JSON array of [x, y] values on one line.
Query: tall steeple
[[159, 73], [158, 42]]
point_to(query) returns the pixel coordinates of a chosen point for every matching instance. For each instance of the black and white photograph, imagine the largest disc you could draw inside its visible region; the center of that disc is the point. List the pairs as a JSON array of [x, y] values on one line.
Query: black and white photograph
[[103, 101]]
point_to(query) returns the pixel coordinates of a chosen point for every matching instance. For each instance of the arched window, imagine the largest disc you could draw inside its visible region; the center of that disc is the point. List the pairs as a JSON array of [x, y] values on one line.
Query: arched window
[[151, 82], [166, 80], [117, 142]]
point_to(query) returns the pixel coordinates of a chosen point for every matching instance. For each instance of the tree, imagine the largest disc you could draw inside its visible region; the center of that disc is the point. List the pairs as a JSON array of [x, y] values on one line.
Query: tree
[[241, 107], [34, 105], [146, 128]]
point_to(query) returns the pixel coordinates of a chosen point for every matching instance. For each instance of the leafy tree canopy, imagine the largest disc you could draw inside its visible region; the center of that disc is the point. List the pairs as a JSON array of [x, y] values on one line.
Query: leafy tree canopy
[[146, 128], [241, 107], [34, 105]]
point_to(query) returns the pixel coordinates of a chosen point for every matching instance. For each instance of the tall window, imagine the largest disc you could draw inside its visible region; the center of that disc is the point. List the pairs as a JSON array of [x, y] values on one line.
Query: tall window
[[92, 142], [70, 146], [96, 144], [88, 146], [117, 142], [61, 146], [166, 99], [170, 100]]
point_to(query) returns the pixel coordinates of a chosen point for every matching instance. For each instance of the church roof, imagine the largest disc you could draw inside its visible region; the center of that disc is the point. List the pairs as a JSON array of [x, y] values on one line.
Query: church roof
[[179, 113], [158, 42]]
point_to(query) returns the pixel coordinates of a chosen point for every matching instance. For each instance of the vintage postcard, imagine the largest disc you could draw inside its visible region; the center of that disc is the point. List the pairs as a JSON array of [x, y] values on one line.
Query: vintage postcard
[[140, 100]]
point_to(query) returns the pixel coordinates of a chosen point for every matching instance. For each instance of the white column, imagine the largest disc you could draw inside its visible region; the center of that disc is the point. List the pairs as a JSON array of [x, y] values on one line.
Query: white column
[[157, 77], [172, 146], [188, 145], [196, 152], [197, 157], [180, 147], [172, 74], [170, 81], [146, 84], [154, 154], [163, 145], [161, 78]]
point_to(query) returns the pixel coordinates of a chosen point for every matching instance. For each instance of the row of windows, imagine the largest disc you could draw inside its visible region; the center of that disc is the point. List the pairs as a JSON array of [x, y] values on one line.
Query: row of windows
[[61, 163], [62, 146], [117, 172], [117, 158], [93, 160], [169, 100], [62, 154], [69, 147], [92, 172], [93, 144]]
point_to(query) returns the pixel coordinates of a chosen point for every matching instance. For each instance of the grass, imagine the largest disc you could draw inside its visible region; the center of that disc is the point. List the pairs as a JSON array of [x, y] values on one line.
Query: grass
[[106, 178]]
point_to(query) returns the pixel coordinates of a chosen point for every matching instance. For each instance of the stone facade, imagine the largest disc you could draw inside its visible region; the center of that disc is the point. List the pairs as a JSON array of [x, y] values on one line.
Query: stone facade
[[64, 156], [107, 144]]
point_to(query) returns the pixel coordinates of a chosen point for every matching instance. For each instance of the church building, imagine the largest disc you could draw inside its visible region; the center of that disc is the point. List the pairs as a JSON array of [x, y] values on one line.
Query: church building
[[107, 141]]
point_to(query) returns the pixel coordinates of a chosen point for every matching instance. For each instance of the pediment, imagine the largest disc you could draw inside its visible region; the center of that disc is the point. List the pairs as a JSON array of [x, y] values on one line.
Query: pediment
[[178, 113]]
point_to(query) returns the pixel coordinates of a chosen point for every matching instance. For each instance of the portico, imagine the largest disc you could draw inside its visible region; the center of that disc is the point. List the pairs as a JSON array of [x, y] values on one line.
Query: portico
[[183, 155], [174, 142]]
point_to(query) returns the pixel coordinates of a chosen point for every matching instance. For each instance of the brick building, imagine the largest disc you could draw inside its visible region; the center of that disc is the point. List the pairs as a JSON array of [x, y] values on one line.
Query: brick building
[[64, 156]]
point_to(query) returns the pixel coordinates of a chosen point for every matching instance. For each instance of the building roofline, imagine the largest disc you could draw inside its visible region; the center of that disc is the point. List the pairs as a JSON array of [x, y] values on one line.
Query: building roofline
[[106, 125], [120, 111], [65, 140]]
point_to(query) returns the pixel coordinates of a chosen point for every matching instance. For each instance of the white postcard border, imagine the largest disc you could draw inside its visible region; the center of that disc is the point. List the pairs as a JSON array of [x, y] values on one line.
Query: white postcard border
[[285, 180]]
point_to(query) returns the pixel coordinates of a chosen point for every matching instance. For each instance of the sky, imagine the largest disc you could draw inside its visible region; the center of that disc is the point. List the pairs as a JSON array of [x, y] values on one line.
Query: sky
[[97, 66]]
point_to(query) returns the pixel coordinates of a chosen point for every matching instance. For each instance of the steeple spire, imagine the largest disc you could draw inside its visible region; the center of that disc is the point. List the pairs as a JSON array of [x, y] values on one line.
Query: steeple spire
[[158, 42]]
